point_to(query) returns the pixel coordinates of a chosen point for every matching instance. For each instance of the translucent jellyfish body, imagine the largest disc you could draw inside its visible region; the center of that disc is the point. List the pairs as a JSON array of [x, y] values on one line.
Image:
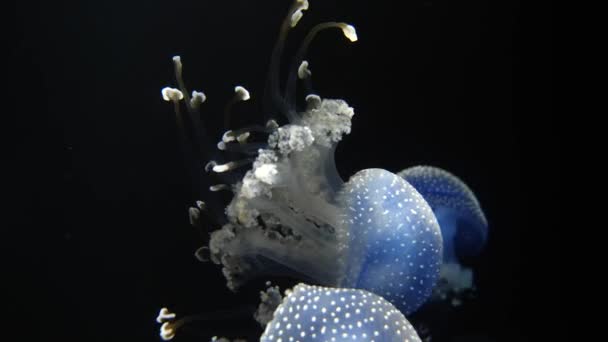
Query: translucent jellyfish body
[[463, 224], [314, 313], [292, 214]]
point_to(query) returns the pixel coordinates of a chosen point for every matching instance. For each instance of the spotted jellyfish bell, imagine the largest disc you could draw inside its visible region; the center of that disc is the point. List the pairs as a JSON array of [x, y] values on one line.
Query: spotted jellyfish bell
[[395, 244], [315, 313], [463, 224]]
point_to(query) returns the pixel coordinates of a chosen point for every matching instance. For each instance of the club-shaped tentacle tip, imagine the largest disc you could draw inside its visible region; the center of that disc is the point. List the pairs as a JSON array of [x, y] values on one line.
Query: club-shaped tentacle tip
[[302, 5], [171, 94], [166, 331], [177, 61], [219, 187], [198, 97], [349, 32], [164, 315], [194, 215], [242, 138], [228, 136], [209, 166], [241, 93], [272, 125], [223, 167], [303, 71], [313, 101], [201, 205]]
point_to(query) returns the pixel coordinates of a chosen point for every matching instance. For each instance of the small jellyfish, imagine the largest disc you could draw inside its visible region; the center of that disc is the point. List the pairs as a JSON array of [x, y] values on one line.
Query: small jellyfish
[[315, 313], [463, 224]]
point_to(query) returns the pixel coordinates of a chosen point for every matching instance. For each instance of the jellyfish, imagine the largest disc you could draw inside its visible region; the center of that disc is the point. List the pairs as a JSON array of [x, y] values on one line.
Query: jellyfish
[[291, 213], [395, 244], [315, 313], [464, 227]]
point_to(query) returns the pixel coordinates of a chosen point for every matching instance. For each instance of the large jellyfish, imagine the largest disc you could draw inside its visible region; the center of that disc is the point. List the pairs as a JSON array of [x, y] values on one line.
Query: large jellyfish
[[291, 213]]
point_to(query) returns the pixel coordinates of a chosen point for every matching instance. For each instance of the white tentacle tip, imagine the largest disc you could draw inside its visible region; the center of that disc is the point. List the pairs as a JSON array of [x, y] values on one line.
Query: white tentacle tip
[[171, 94], [177, 61], [295, 17], [228, 136], [165, 315], [272, 125], [201, 205], [198, 97], [194, 215], [218, 187], [223, 167], [210, 165], [349, 32], [303, 71], [302, 5], [242, 93], [313, 101], [166, 332], [242, 138]]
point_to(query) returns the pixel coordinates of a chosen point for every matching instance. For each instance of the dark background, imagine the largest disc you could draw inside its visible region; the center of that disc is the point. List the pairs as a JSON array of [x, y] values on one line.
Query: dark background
[[98, 236]]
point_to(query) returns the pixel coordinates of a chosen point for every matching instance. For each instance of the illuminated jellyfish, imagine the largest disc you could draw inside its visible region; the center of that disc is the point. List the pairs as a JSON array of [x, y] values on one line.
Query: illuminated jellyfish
[[316, 313], [292, 214], [464, 227]]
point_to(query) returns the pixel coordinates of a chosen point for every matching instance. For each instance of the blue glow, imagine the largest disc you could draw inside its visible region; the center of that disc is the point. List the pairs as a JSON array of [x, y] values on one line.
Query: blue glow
[[312, 313], [463, 224], [394, 239]]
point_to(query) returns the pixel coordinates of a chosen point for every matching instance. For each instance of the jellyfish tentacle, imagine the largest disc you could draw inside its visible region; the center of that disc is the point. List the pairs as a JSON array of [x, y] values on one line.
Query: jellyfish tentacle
[[295, 69], [305, 75], [248, 252], [188, 143], [273, 87], [250, 149], [219, 168], [240, 95], [170, 324], [193, 137], [197, 130], [231, 135]]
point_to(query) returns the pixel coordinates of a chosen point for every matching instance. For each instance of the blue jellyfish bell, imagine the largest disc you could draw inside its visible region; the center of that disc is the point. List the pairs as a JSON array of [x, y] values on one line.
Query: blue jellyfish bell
[[314, 313], [394, 240], [463, 224]]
